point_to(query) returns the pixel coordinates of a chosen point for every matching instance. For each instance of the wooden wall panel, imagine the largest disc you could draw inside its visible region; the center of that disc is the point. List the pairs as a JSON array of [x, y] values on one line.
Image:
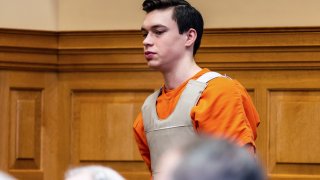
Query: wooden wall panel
[[26, 119], [28, 49], [102, 125], [25, 127], [4, 121], [221, 49], [103, 107], [89, 86], [294, 131], [102, 129]]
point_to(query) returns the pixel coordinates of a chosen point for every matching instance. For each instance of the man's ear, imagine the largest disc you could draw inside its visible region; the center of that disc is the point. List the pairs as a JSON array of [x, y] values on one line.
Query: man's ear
[[191, 37]]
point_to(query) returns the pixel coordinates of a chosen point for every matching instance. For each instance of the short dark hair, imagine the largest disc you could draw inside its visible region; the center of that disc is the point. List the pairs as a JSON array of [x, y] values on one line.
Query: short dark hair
[[184, 14]]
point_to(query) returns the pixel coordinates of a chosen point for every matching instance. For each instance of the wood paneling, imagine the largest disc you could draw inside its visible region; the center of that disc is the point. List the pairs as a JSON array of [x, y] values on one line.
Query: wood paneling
[[25, 127], [28, 151], [70, 98], [102, 125], [102, 108], [28, 50], [28, 39], [294, 131], [221, 49]]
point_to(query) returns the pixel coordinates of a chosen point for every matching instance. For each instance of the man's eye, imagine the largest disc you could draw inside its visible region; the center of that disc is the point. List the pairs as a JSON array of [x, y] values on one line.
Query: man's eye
[[144, 35], [158, 32]]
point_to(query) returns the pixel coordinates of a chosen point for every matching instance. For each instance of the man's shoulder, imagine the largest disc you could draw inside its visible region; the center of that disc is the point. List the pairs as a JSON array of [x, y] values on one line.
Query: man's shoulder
[[224, 85], [222, 82]]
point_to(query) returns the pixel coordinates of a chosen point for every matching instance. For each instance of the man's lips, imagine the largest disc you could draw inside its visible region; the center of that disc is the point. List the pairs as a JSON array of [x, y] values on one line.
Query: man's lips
[[149, 54]]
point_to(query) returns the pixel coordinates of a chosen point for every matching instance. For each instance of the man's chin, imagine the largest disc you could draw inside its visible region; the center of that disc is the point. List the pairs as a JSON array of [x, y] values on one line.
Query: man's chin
[[152, 65]]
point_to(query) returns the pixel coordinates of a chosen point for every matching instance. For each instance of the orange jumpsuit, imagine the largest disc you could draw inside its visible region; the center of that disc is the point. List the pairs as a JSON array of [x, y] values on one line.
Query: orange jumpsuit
[[224, 110]]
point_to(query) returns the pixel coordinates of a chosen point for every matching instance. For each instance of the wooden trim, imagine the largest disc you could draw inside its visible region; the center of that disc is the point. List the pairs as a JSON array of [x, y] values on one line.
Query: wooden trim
[[28, 50], [240, 48]]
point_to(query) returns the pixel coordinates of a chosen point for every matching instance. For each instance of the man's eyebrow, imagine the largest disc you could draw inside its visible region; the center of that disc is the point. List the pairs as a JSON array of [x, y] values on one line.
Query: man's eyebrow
[[154, 27], [143, 29]]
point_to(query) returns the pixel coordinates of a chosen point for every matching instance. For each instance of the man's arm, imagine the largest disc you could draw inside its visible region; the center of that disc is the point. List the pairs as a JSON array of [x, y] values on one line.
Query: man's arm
[[141, 140], [223, 111]]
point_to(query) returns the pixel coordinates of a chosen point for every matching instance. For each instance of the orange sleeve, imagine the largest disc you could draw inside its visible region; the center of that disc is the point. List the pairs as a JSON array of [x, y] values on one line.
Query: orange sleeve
[[141, 139], [226, 110]]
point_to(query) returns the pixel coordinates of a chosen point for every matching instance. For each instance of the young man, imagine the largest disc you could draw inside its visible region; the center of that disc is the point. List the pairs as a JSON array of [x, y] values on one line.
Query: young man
[[192, 100]]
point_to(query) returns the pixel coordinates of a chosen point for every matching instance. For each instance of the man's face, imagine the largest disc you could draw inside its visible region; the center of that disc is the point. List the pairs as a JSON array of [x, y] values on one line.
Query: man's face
[[163, 45]]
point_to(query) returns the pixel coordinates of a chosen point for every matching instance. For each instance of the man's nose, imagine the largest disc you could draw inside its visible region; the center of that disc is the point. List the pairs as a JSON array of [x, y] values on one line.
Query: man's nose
[[148, 41]]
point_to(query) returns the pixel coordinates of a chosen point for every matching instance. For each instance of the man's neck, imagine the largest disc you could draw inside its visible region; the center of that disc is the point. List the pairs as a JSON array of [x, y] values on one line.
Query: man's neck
[[180, 74]]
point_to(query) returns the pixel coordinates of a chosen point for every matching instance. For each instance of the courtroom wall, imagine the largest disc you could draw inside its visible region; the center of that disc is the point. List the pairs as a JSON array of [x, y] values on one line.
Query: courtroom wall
[[127, 14], [31, 14]]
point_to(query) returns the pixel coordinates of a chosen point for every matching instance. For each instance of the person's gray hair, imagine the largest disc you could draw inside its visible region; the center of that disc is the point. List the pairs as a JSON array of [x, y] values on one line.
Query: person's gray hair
[[95, 172], [4, 176], [208, 159]]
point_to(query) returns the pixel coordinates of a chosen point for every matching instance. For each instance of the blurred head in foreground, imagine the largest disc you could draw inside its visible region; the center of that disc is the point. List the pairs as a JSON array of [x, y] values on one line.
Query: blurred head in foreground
[[92, 173], [210, 159], [4, 176]]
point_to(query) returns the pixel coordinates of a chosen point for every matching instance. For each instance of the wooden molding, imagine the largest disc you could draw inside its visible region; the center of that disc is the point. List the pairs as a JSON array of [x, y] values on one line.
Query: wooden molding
[[28, 50], [241, 48]]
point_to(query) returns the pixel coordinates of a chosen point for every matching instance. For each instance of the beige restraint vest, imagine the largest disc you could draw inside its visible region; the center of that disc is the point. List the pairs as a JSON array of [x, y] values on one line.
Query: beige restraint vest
[[177, 128]]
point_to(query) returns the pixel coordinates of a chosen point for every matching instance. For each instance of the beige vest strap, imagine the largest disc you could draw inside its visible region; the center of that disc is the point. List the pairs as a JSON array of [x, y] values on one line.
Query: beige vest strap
[[177, 128]]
